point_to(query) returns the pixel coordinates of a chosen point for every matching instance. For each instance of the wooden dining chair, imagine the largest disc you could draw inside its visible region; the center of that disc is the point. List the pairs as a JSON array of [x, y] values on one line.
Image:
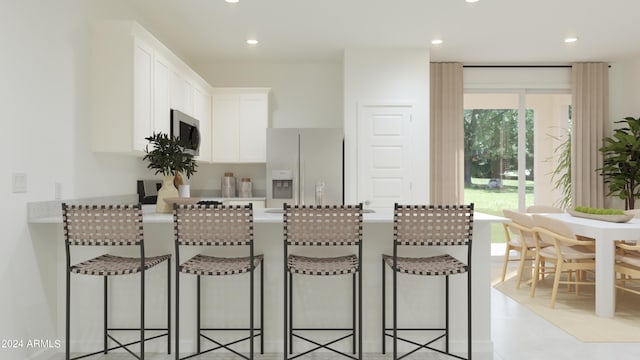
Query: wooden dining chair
[[628, 266], [567, 254], [519, 237]]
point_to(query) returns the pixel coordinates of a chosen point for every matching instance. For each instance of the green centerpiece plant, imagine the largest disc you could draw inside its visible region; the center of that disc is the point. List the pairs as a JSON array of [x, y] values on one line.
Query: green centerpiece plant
[[167, 157], [621, 165]]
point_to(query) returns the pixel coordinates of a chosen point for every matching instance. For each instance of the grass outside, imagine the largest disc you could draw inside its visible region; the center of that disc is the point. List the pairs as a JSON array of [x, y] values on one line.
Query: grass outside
[[492, 201]]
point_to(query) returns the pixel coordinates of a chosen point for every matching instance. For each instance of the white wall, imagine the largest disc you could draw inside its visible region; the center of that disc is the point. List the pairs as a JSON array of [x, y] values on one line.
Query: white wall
[[44, 95], [624, 89], [484, 78], [624, 99], [302, 95], [387, 75]]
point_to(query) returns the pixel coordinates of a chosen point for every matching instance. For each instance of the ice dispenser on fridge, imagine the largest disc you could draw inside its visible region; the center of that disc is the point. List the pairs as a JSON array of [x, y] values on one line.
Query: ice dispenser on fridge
[[282, 184]]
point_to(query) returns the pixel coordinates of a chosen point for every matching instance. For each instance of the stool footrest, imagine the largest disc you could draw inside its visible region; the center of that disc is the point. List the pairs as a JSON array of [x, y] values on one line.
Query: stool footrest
[[322, 329], [122, 346], [221, 346], [320, 346], [424, 346], [417, 329]]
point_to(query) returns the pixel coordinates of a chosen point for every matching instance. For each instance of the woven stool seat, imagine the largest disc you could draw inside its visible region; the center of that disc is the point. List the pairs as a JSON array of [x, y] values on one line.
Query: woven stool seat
[[108, 265], [218, 266], [432, 266], [323, 266]]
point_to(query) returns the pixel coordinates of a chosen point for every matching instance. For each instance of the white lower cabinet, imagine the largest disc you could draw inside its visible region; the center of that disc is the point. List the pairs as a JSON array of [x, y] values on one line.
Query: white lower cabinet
[[240, 117]]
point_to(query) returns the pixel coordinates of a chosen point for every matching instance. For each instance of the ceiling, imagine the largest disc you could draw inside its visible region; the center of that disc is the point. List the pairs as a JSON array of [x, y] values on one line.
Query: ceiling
[[486, 32]]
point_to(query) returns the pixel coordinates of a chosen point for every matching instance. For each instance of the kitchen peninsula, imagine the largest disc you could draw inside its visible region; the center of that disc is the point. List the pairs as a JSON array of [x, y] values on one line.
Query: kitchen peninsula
[[422, 307]]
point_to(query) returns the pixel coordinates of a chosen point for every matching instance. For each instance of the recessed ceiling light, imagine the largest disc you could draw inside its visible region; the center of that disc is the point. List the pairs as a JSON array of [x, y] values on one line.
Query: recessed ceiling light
[[437, 41], [471, 1], [570, 39], [232, 1], [252, 41]]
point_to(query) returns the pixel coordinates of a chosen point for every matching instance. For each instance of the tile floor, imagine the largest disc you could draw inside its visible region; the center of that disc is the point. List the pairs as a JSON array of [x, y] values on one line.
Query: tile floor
[[518, 334]]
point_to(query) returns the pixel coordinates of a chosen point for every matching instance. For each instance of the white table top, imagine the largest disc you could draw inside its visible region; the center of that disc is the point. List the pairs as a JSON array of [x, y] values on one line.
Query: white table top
[[602, 230]]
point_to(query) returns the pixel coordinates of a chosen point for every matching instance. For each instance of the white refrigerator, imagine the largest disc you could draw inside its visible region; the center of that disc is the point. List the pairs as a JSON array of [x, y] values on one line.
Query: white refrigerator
[[305, 166]]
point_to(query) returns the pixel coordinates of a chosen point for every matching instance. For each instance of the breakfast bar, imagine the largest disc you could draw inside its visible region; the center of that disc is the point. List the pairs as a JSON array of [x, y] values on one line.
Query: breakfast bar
[[419, 309]]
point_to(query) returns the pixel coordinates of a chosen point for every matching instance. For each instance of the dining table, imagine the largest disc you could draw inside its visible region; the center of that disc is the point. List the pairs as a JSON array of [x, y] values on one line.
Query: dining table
[[605, 234]]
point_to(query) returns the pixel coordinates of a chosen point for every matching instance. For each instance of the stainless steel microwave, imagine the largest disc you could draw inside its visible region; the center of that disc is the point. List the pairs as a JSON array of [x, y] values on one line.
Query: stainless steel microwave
[[187, 130]]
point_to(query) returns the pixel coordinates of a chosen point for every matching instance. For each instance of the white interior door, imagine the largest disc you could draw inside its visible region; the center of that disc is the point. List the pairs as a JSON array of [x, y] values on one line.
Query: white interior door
[[384, 155]]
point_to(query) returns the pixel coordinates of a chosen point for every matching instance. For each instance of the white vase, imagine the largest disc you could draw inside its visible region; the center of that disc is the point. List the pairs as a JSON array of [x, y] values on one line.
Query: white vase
[[168, 190], [184, 191]]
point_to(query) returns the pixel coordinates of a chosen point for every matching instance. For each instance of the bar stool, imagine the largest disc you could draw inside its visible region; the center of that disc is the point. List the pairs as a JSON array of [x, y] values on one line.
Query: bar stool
[[221, 226], [322, 226], [421, 225], [111, 225]]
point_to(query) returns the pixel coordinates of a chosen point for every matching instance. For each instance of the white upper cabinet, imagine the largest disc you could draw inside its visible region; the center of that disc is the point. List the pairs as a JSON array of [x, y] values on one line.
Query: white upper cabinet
[[136, 81], [202, 110], [143, 111], [239, 124], [161, 94]]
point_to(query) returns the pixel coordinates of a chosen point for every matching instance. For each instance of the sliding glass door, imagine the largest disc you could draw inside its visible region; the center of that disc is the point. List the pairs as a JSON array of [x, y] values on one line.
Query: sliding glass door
[[510, 139]]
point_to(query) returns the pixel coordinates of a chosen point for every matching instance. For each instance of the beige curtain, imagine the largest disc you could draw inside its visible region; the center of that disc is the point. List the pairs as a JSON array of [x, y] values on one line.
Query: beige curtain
[[590, 84], [446, 134]]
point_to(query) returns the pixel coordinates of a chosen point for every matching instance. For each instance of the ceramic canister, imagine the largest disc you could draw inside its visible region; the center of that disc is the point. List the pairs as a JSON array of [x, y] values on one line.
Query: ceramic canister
[[228, 186], [246, 189]]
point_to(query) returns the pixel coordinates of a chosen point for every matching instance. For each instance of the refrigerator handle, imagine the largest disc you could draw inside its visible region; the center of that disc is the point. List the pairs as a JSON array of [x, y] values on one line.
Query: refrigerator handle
[[301, 187]]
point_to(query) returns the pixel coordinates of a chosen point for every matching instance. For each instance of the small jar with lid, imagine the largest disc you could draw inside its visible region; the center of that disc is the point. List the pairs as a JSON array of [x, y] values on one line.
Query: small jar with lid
[[228, 186], [246, 189]]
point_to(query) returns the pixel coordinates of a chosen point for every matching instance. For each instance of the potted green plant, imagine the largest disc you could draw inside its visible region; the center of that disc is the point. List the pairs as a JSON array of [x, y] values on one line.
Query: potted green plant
[[561, 174], [168, 157], [621, 165]]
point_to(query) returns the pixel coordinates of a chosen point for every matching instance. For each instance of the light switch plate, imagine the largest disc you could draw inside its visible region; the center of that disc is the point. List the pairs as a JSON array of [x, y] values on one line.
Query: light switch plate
[[19, 183]]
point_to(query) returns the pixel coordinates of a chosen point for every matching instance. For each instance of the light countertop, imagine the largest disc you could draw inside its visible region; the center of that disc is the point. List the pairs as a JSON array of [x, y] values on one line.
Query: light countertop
[[268, 216]]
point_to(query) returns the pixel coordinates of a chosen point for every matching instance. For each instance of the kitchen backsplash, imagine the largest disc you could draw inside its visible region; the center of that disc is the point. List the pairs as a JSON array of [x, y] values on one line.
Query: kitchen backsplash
[[209, 177]]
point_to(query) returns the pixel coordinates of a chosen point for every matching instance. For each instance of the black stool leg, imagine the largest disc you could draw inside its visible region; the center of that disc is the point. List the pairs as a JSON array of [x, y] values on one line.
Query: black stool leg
[[142, 310], [177, 344], [198, 314], [395, 303], [446, 311], [469, 313], [290, 313], [251, 308], [262, 308], [67, 342], [105, 317], [169, 306], [286, 308], [360, 307], [384, 321], [353, 312]]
